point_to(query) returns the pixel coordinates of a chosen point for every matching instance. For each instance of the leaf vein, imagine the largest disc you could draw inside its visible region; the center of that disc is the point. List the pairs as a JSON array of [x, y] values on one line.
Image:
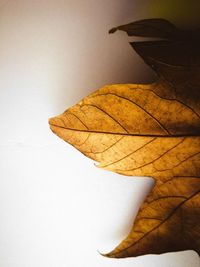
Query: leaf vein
[[157, 157], [110, 116], [129, 153], [136, 104], [167, 218]]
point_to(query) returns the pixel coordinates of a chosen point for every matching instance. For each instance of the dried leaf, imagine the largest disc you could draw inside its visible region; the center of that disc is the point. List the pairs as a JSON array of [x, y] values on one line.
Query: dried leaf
[[145, 130], [160, 28], [149, 130]]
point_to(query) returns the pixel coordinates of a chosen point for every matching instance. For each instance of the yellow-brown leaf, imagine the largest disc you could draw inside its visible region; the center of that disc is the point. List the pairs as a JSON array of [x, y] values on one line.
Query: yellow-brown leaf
[[145, 130]]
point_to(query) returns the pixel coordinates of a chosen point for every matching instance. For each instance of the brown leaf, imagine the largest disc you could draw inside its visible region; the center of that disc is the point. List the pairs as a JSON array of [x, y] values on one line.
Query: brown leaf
[[158, 28], [145, 130], [149, 28], [150, 130]]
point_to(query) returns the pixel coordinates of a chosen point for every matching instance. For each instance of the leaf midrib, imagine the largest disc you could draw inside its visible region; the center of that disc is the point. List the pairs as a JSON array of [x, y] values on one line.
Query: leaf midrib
[[129, 134]]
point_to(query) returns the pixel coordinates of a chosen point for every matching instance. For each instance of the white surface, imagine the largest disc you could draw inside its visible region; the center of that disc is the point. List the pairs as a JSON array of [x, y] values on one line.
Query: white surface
[[56, 208]]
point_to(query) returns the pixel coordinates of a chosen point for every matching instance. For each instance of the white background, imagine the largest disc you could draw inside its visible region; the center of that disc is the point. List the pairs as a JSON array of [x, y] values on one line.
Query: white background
[[56, 208]]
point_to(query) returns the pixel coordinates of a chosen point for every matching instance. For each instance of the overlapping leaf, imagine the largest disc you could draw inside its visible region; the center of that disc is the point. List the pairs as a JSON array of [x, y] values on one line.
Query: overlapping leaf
[[149, 28], [148, 130]]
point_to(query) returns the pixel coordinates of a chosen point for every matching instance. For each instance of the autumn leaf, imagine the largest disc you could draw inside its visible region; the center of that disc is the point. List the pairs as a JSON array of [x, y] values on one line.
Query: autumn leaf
[[157, 28], [160, 28], [148, 130], [135, 130]]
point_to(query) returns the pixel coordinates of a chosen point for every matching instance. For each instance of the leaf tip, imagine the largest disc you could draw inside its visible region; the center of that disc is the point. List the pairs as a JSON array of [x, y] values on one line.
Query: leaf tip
[[97, 165], [106, 255], [113, 30], [51, 122]]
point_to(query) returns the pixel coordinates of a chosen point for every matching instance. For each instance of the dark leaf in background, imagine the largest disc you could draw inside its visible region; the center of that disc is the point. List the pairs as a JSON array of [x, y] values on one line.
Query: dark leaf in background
[[157, 28]]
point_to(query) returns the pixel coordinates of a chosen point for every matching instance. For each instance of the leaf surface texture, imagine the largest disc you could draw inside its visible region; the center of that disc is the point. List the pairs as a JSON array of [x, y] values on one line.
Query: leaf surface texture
[[146, 130]]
